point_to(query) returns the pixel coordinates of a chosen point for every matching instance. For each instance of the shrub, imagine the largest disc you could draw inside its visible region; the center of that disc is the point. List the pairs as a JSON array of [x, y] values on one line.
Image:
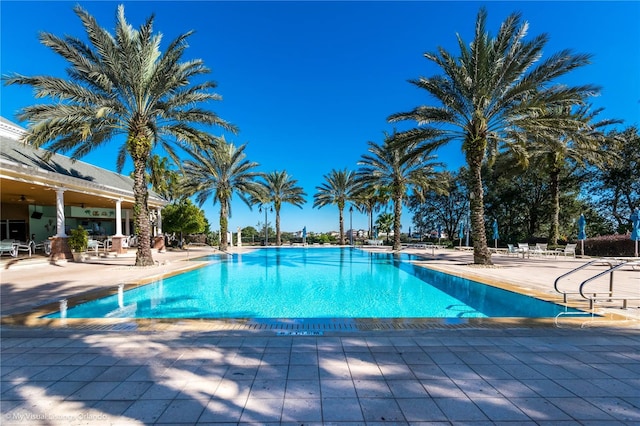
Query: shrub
[[78, 240], [609, 246]]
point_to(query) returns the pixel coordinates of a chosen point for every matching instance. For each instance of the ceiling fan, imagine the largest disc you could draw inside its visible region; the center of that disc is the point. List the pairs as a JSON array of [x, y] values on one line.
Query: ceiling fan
[[23, 199]]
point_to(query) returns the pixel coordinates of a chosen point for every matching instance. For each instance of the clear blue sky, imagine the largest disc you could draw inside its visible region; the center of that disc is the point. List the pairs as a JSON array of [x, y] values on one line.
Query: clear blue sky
[[309, 83]]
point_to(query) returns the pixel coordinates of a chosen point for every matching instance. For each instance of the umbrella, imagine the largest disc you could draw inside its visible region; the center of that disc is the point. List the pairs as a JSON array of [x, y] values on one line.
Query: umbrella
[[461, 232], [496, 235], [582, 223], [439, 233], [635, 232]]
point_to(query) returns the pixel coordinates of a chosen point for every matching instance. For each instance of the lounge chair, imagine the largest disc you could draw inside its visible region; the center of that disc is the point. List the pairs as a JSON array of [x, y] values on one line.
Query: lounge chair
[[45, 246], [94, 245], [20, 246], [8, 246], [511, 250], [570, 249]]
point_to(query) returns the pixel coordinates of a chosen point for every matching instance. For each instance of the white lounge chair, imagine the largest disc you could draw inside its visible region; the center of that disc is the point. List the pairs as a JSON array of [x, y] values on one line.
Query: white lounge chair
[[95, 245], [8, 246], [20, 246], [570, 250]]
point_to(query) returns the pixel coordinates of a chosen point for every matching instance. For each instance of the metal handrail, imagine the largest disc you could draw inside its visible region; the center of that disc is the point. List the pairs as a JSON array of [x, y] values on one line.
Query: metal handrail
[[555, 283], [610, 292]]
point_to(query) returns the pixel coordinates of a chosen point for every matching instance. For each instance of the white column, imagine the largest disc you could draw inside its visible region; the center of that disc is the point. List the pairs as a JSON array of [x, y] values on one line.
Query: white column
[[159, 221], [239, 237], [60, 213], [127, 226], [118, 218]]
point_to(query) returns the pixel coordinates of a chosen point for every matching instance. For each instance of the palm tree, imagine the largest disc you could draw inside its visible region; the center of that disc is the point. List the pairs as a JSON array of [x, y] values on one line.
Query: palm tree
[[493, 86], [121, 84], [163, 179], [337, 189], [384, 222], [552, 150], [369, 198], [280, 187], [399, 168], [219, 172]]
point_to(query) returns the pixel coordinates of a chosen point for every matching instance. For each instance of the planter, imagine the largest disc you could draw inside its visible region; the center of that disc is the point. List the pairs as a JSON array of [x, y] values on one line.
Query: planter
[[80, 257]]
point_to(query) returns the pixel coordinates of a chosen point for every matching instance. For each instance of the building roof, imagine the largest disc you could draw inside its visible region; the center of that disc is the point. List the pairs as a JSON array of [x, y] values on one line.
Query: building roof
[[25, 164]]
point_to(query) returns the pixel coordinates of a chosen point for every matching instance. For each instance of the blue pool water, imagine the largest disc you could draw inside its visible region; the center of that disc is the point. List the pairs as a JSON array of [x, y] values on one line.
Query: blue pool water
[[313, 283]]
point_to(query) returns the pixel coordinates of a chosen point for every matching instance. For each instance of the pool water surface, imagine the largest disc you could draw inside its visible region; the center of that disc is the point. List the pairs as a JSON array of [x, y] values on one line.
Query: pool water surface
[[313, 283]]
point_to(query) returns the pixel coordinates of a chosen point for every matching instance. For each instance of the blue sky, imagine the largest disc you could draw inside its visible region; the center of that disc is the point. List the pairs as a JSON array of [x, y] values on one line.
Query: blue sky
[[309, 83]]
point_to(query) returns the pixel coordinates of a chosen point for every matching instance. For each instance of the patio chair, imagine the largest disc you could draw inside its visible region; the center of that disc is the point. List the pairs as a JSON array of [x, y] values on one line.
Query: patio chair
[[511, 250], [8, 246], [570, 250], [95, 245], [21, 246], [45, 246]]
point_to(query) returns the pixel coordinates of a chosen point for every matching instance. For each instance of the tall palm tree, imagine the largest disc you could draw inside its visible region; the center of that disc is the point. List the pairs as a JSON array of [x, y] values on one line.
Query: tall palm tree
[[552, 150], [219, 172], [496, 84], [280, 187], [121, 84], [337, 189], [399, 168]]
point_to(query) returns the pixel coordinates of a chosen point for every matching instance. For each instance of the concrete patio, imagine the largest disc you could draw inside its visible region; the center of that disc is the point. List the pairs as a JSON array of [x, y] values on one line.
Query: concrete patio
[[535, 372]]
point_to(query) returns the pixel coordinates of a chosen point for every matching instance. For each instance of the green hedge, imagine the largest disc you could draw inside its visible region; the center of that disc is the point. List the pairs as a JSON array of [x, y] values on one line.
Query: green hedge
[[608, 246]]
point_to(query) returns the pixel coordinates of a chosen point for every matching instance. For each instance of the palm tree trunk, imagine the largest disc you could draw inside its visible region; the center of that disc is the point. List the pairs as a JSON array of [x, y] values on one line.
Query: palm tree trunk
[[554, 188], [223, 225], [481, 253], [139, 153], [341, 227], [278, 242], [397, 211]]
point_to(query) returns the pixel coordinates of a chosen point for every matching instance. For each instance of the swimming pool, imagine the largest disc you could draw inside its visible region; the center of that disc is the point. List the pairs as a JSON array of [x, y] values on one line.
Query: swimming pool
[[313, 283]]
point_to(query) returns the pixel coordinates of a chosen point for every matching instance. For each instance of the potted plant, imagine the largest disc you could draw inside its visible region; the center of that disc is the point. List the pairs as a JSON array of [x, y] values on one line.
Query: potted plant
[[78, 241]]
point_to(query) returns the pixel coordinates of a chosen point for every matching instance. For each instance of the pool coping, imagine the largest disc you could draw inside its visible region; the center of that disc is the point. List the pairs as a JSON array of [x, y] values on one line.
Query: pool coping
[[598, 317]]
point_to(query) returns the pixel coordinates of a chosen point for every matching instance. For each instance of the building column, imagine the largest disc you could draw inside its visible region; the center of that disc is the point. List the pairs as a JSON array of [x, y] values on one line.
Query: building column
[[159, 221], [59, 247], [60, 213], [117, 239], [119, 218]]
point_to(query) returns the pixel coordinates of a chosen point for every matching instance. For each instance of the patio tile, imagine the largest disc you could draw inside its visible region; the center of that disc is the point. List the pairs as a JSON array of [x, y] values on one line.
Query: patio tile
[[618, 408], [372, 389], [579, 409], [500, 409], [147, 411], [258, 410], [222, 410], [302, 389], [268, 389], [303, 372], [341, 410], [539, 409], [337, 388], [407, 389], [420, 410], [183, 411], [302, 410], [381, 409], [460, 409]]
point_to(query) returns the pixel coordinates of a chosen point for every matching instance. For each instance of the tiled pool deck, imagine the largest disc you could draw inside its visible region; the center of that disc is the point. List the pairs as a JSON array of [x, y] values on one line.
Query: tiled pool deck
[[538, 373]]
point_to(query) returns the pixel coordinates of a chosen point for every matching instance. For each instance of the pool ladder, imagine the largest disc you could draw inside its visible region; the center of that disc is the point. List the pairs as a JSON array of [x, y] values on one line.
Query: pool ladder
[[614, 264]]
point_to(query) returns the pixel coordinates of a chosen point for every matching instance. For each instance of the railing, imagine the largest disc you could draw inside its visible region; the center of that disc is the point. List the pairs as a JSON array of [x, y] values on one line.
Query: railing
[[609, 295], [614, 264]]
